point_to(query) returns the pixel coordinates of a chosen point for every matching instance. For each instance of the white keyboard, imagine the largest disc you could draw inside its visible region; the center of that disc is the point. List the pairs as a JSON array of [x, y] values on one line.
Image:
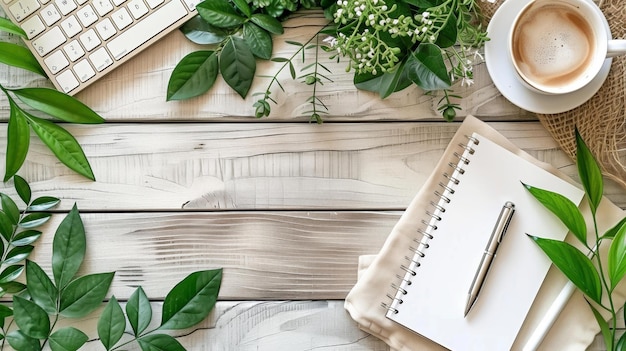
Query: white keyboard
[[78, 41]]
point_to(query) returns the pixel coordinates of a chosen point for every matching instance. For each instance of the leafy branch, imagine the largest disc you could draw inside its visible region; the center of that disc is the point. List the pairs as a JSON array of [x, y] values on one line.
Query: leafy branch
[[51, 103], [310, 76], [586, 269], [31, 323]]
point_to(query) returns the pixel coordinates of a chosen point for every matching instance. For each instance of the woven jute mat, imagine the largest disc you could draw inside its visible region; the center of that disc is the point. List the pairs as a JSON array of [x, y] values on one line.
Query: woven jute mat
[[602, 119]]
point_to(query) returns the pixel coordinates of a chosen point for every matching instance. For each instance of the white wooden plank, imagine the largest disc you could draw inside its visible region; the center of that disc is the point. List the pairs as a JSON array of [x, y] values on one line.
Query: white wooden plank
[[261, 166], [265, 255]]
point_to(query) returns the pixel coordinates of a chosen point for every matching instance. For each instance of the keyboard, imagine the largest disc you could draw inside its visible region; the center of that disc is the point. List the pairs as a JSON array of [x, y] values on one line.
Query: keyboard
[[79, 41]]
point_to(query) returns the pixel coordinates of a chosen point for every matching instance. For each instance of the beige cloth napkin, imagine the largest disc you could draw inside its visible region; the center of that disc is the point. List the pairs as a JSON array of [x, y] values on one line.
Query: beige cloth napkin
[[575, 327]]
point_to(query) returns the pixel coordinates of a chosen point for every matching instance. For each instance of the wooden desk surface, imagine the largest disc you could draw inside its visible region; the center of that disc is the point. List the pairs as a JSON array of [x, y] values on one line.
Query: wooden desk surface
[[283, 205]]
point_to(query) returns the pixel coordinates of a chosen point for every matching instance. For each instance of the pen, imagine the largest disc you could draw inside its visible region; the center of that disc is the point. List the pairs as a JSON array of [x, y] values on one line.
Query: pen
[[490, 253]]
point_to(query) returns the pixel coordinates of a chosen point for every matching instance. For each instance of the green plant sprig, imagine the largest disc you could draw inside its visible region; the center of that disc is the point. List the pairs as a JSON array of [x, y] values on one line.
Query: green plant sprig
[[51, 104], [38, 304], [310, 76], [586, 270]]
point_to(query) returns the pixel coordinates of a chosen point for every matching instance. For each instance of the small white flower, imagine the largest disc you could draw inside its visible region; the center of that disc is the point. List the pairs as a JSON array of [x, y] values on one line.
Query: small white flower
[[425, 14]]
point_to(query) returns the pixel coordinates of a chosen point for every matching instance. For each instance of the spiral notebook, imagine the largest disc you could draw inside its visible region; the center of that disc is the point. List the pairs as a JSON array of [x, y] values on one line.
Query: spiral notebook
[[435, 278]]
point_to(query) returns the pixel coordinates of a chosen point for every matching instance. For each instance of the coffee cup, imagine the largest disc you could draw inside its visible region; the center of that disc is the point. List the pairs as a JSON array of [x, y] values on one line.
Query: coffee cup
[[559, 46]]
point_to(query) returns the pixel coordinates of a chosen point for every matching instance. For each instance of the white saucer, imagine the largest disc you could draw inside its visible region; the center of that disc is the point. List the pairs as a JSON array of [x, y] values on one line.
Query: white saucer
[[503, 74]]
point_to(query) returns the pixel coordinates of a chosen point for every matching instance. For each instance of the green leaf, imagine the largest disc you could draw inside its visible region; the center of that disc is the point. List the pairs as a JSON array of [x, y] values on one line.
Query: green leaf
[[5, 312], [6, 226], [159, 342], [11, 273], [391, 81], [30, 318], [63, 145], [43, 203], [243, 6], [20, 57], [68, 248], [426, 68], [10, 208], [22, 188], [40, 287], [18, 140], [18, 254], [237, 65], [22, 342], [11, 288], [268, 23], [259, 41], [67, 339], [194, 75], [589, 172], [191, 300], [610, 234], [139, 311], [84, 294], [7, 26], [111, 324], [617, 257], [604, 328], [200, 32], [58, 105], [33, 220], [448, 33], [621, 343], [563, 208], [577, 267], [26, 237], [220, 13]]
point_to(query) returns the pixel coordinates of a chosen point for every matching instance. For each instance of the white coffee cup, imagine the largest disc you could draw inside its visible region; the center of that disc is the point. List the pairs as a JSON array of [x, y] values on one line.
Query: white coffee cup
[[559, 46]]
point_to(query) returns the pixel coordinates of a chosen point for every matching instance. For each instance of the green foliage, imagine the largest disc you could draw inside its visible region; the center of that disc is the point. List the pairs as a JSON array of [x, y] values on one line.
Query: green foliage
[[38, 304], [586, 271], [49, 102], [390, 45]]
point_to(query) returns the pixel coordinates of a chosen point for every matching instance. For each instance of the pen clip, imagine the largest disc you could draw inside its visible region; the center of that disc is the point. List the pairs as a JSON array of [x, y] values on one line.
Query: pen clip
[[503, 220]]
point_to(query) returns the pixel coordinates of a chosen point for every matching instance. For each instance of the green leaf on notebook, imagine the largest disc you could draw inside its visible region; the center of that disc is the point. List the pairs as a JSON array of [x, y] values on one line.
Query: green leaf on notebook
[[563, 208], [574, 264], [604, 328], [617, 257]]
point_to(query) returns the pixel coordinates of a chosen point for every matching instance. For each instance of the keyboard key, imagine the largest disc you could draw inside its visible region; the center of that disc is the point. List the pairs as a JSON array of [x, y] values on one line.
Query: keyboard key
[[81, 2], [105, 29], [154, 3], [101, 59], [102, 7], [67, 81], [50, 15], [147, 28], [191, 4], [84, 71], [70, 26], [48, 41], [90, 40], [33, 26], [73, 50], [87, 16], [137, 8], [56, 62], [66, 6], [23, 8], [122, 18]]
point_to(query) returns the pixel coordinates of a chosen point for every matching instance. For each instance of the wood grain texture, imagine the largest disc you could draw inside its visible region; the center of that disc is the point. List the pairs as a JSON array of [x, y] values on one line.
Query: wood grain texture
[[261, 166], [137, 89], [265, 255]]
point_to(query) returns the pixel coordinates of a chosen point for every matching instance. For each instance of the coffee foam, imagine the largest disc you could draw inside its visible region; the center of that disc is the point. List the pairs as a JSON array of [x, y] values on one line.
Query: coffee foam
[[553, 44]]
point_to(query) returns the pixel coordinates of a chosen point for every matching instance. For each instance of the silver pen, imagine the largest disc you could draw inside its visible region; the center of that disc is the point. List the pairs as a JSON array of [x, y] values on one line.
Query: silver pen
[[490, 253]]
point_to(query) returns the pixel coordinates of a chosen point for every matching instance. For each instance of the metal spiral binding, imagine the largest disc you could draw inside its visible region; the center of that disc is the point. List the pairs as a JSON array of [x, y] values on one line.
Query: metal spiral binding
[[444, 196]]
